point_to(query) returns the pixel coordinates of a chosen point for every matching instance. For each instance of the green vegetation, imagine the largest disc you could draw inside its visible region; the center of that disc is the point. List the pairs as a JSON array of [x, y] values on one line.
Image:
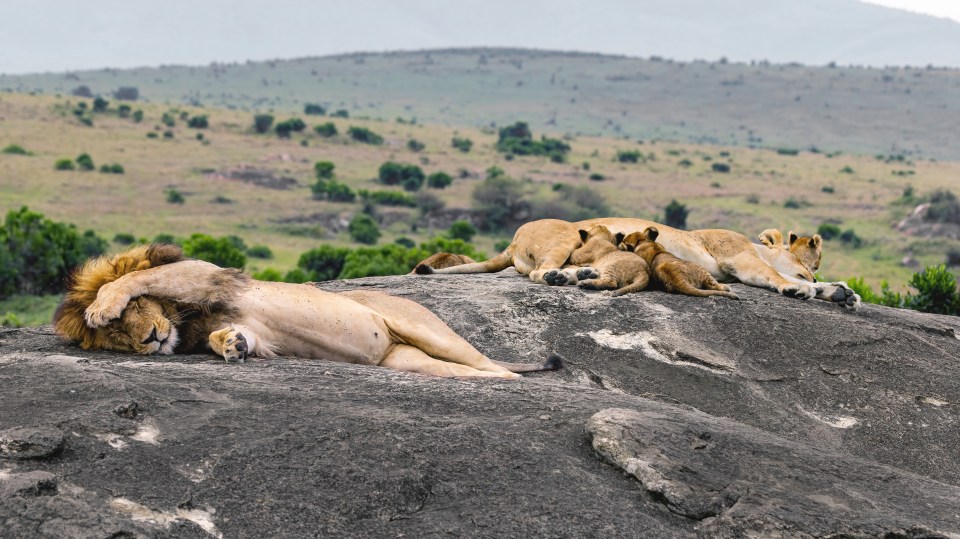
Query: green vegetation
[[388, 198], [517, 139], [174, 196], [788, 151], [944, 207], [462, 230], [286, 127], [199, 121], [415, 145], [25, 310], [64, 163], [936, 292], [828, 231], [439, 180], [262, 123], [410, 177], [115, 168], [629, 156], [313, 109], [124, 238], [324, 170], [462, 143], [227, 251], [722, 168], [85, 162], [326, 130], [675, 215], [364, 135], [260, 251], [333, 191], [15, 149], [363, 229]]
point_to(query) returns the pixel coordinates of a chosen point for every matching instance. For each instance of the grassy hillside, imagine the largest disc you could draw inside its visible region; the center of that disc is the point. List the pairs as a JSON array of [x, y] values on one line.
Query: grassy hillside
[[855, 110], [855, 192]]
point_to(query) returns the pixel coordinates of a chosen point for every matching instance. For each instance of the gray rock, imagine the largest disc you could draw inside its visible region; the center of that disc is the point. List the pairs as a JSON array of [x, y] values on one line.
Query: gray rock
[[34, 483], [30, 442], [821, 421]]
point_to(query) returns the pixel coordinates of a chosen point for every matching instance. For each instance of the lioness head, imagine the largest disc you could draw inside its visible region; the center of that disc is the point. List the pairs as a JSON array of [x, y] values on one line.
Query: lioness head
[[807, 250], [146, 324]]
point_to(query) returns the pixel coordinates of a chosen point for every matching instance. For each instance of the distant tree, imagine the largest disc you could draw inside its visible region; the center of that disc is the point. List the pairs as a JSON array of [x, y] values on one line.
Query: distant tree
[[411, 177], [127, 93], [944, 207], [314, 109], [323, 263], [675, 215], [628, 156], [260, 251], [500, 200], [324, 170], [224, 252], [828, 231], [462, 230], [64, 163], [388, 198], [339, 192], [15, 149], [82, 91], [327, 130], [439, 180], [364, 135], [415, 145], [262, 123], [85, 162], [198, 122], [461, 143], [168, 119], [341, 113], [363, 229], [123, 110], [174, 196], [137, 115], [286, 127], [722, 168], [100, 104], [124, 238]]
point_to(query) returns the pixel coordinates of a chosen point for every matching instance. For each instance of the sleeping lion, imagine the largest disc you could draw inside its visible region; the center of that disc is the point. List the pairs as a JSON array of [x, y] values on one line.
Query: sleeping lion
[[152, 300]]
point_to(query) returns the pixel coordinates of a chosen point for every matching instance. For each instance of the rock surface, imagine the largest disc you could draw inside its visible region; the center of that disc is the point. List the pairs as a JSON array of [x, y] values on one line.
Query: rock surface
[[674, 417]]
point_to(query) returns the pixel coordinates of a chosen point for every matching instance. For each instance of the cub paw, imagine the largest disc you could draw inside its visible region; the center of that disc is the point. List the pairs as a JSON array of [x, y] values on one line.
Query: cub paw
[[587, 273], [555, 278]]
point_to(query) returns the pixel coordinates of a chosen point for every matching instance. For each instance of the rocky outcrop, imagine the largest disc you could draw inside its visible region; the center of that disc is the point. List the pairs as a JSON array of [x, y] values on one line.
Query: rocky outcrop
[[674, 417]]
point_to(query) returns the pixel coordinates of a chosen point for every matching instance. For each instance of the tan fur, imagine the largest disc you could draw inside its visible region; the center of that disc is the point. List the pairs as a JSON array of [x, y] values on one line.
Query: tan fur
[[807, 250], [151, 300], [445, 260], [606, 267], [671, 273]]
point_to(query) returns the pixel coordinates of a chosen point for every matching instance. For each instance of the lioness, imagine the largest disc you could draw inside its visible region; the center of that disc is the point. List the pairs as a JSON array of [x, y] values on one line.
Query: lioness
[[669, 272], [151, 300], [541, 248], [604, 267]]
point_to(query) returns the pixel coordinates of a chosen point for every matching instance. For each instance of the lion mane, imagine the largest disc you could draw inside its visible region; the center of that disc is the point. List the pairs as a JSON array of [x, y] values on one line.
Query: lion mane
[[84, 282]]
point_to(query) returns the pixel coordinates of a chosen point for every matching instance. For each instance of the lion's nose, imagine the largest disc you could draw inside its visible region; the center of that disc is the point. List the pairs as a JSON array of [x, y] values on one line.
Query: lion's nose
[[151, 338]]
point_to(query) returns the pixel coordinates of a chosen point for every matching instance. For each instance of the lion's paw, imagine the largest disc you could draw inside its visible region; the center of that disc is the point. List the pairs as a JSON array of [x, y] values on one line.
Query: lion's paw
[[587, 273], [105, 308], [555, 278], [801, 291], [231, 344], [845, 296]]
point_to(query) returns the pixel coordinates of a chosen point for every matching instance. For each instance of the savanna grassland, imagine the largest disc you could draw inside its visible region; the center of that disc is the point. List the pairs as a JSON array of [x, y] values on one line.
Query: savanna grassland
[[796, 188]]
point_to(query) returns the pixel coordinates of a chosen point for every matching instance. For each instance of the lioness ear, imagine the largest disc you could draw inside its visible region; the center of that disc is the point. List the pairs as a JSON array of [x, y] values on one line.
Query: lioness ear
[[652, 233], [771, 237], [816, 241], [792, 237], [583, 235], [619, 238]]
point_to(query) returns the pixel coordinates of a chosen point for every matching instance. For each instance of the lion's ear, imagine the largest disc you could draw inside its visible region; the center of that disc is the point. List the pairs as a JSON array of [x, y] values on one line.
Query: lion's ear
[[619, 238], [816, 241], [583, 235], [792, 237], [651, 233], [771, 237]]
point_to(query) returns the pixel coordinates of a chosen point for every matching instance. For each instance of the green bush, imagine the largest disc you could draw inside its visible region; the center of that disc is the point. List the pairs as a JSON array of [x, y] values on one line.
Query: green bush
[[411, 177], [376, 261], [268, 274], [100, 104], [324, 170], [168, 134], [137, 116], [364, 135], [124, 238], [199, 121], [675, 215], [788, 151], [225, 252], [405, 242], [327, 130], [341, 113], [415, 145], [629, 156], [850, 238], [363, 229], [323, 263], [15, 149], [462, 230], [85, 162], [828, 231], [570, 204], [313, 109], [936, 291], [428, 202], [64, 163], [37, 254], [944, 207], [333, 191], [686, 163], [296, 275], [500, 200], [286, 127], [260, 251], [461, 143], [262, 123], [722, 168], [597, 177], [123, 111], [440, 244], [517, 139], [168, 119], [846, 170], [166, 238], [389, 198], [115, 168], [439, 180], [174, 196]]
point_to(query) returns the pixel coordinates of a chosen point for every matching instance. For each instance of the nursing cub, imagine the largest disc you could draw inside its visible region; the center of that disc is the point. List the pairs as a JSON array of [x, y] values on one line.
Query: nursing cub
[[671, 273], [606, 267]]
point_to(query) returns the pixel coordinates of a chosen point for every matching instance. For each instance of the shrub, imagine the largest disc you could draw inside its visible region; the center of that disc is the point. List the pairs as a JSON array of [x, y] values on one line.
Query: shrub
[[440, 244], [788, 151], [846, 170], [268, 274], [828, 231], [341, 113], [462, 230], [850, 238], [37, 254], [675, 215], [953, 257], [260, 251], [123, 110], [333, 191], [501, 245], [100, 104], [296, 275], [722, 168], [389, 198], [286, 127], [415, 145], [411, 177], [199, 121], [597, 177], [364, 135], [174, 196], [137, 116], [152, 134], [124, 238], [828, 189], [363, 229], [328, 129], [405, 242], [262, 123], [686, 163], [323, 263], [313, 109], [64, 163], [324, 169], [386, 260], [166, 238], [115, 168], [82, 91], [793, 203], [15, 149], [461, 143], [439, 180], [629, 156], [944, 207], [168, 134], [936, 291], [517, 139], [428, 202], [85, 162], [127, 93], [500, 200], [168, 119], [225, 252]]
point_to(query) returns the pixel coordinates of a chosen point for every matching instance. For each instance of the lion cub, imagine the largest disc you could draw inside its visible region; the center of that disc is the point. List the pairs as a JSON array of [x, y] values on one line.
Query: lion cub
[[612, 269], [674, 275]]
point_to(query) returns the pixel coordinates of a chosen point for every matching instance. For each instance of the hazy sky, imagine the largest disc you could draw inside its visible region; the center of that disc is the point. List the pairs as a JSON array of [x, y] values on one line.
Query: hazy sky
[[63, 35], [938, 8]]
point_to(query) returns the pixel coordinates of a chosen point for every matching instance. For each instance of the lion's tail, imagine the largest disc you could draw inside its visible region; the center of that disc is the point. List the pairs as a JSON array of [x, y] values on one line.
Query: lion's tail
[[500, 262], [552, 363]]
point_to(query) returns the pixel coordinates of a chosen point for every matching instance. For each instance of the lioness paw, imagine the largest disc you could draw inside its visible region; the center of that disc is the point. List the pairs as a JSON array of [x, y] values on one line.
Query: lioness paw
[[845, 296], [587, 273], [555, 278], [801, 291]]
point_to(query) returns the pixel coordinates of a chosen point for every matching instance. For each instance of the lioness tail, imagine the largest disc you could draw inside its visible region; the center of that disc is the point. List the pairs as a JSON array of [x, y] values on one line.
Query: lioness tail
[[552, 363], [500, 262]]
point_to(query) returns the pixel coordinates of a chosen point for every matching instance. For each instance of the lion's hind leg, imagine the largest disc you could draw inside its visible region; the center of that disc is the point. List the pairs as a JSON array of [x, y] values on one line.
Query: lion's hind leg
[[408, 358]]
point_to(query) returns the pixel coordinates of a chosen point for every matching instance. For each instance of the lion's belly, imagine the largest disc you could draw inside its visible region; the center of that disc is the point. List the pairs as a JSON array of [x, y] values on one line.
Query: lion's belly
[[302, 321]]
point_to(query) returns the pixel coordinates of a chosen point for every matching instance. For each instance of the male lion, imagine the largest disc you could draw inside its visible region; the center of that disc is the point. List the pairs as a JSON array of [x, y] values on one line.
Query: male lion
[[541, 249], [669, 272], [152, 300]]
